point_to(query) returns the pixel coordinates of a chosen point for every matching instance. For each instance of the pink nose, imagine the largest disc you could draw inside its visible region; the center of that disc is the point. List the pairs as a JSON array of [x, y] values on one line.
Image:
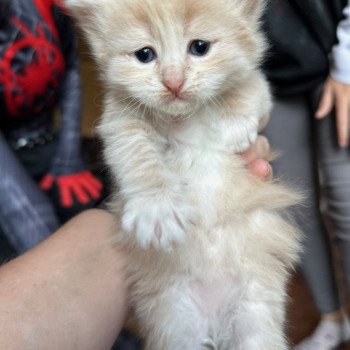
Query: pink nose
[[174, 84]]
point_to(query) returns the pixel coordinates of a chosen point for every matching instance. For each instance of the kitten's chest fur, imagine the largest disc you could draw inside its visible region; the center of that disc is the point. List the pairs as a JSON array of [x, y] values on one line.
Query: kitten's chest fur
[[198, 152], [218, 186]]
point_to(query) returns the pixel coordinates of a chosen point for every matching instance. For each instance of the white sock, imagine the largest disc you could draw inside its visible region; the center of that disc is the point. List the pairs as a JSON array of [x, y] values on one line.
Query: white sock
[[327, 336]]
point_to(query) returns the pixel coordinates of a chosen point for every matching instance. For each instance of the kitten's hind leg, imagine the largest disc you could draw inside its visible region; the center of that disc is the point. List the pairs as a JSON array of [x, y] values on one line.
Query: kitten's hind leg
[[175, 322], [258, 322]]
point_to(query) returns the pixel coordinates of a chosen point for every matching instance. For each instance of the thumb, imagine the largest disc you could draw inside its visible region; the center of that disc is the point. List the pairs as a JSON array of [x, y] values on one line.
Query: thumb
[[261, 169]]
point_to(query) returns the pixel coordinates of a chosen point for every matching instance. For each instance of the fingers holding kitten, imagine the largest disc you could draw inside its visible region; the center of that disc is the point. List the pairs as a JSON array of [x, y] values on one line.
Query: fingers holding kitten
[[256, 158], [261, 169]]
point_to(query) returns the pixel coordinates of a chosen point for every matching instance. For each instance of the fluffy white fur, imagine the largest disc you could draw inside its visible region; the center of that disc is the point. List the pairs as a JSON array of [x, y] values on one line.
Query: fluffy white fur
[[209, 250]]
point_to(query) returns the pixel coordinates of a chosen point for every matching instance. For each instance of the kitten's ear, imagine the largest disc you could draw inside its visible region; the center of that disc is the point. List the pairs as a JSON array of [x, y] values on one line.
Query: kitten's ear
[[253, 9], [89, 15], [83, 10], [76, 6]]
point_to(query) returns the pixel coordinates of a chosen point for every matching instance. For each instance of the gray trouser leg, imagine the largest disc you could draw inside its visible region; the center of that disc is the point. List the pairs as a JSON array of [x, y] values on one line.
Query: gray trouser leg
[[335, 169], [26, 215], [290, 131]]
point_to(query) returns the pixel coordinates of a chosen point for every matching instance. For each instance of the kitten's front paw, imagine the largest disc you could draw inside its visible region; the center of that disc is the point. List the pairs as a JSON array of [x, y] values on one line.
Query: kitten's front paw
[[158, 220], [238, 133], [245, 141]]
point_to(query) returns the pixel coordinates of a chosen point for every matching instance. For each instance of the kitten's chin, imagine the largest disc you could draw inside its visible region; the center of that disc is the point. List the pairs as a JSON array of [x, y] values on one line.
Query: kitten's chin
[[178, 106]]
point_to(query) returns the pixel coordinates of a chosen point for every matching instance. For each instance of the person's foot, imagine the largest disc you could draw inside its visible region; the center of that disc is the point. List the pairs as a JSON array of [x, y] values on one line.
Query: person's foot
[[327, 336]]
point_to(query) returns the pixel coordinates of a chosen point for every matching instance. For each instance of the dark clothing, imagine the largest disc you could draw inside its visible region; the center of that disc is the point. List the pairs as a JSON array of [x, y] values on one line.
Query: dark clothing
[[301, 35], [38, 72]]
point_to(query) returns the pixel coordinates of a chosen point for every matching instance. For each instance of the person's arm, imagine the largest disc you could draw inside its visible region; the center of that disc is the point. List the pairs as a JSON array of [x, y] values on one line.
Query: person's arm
[[337, 87], [340, 70], [67, 293]]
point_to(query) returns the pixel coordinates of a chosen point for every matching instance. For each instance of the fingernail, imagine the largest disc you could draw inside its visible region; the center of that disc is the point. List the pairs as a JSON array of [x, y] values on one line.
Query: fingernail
[[267, 170]]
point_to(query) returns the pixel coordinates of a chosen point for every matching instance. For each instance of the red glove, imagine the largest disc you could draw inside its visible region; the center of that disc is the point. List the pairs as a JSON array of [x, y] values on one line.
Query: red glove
[[84, 186]]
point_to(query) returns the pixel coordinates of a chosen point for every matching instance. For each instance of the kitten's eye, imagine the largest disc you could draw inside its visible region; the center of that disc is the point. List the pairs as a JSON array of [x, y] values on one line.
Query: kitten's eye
[[145, 55], [199, 47]]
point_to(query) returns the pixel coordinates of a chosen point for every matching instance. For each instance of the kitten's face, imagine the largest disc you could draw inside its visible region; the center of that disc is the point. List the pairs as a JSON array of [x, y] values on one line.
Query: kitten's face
[[173, 56]]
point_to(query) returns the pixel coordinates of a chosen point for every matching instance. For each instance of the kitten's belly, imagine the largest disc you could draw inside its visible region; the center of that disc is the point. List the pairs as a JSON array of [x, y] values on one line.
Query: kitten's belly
[[214, 298]]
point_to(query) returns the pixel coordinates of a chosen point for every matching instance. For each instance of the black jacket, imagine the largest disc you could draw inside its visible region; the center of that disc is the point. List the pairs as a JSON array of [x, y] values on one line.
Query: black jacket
[[301, 34]]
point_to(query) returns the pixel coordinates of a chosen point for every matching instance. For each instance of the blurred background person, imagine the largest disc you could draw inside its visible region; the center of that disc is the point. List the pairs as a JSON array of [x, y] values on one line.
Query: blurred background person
[[308, 66]]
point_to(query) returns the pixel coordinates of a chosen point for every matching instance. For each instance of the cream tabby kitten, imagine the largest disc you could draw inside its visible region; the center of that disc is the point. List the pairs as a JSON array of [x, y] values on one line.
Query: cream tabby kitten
[[209, 251]]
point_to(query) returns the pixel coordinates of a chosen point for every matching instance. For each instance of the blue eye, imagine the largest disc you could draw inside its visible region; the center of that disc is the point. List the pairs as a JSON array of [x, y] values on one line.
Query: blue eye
[[145, 55], [199, 47]]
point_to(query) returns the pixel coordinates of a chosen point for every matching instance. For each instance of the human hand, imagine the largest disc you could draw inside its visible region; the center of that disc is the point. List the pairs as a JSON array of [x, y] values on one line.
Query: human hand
[[83, 185], [255, 158], [336, 94]]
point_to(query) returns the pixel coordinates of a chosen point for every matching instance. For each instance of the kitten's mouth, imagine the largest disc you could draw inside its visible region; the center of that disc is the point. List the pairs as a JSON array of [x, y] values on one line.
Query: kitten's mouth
[[177, 103], [175, 96], [178, 97]]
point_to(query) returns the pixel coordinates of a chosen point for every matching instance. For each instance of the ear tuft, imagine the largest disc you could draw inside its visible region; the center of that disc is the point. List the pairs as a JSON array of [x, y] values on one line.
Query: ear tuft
[[74, 4], [253, 8], [90, 17], [80, 8]]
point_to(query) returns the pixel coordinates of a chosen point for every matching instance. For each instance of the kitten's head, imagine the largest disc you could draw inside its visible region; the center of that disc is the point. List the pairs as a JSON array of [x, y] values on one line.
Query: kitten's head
[[173, 55]]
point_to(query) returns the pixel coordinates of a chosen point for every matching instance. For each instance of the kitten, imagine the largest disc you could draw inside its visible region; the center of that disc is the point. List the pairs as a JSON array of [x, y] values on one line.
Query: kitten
[[209, 250]]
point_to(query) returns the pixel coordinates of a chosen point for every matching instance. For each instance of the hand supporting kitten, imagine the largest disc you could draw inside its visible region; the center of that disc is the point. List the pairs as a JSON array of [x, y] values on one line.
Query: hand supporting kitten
[[255, 159]]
